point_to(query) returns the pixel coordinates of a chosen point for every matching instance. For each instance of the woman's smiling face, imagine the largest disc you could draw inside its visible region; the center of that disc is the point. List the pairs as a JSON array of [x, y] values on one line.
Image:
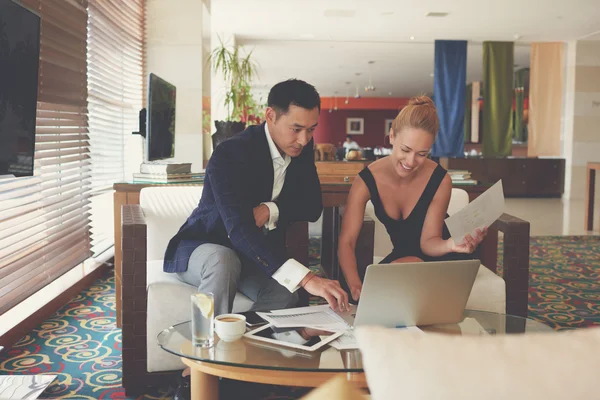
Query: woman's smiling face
[[411, 146]]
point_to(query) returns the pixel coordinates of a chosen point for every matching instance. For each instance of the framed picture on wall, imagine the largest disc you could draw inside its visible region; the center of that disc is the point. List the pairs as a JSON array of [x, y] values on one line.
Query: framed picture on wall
[[355, 126], [388, 126]]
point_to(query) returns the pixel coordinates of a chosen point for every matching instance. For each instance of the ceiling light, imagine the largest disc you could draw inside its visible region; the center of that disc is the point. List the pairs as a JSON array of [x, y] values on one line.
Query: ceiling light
[[387, 13], [356, 95], [347, 99], [436, 14], [412, 38], [431, 75], [370, 87], [307, 36], [516, 36]]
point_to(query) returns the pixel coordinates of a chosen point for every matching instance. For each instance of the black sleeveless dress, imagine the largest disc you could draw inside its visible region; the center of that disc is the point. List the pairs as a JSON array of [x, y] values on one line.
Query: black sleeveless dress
[[405, 233]]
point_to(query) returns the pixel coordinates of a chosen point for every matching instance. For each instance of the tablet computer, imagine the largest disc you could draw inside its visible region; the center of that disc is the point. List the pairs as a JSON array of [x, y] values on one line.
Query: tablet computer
[[306, 338]]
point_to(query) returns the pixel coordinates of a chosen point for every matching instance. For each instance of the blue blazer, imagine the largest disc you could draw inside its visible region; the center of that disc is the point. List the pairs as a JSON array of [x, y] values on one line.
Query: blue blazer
[[239, 176]]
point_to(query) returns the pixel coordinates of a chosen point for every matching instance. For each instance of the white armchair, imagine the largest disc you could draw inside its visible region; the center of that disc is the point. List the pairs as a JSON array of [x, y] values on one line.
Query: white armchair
[[152, 299], [489, 290]]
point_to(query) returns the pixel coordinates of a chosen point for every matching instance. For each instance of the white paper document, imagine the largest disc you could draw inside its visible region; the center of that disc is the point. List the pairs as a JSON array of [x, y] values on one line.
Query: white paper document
[[316, 316], [479, 213], [346, 341], [23, 387]]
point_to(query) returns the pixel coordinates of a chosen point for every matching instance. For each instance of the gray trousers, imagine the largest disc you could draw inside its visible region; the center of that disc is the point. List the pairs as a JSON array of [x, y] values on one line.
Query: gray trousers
[[218, 269]]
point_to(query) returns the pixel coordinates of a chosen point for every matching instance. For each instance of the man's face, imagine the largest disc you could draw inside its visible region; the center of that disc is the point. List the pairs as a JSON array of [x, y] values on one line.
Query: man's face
[[292, 130]]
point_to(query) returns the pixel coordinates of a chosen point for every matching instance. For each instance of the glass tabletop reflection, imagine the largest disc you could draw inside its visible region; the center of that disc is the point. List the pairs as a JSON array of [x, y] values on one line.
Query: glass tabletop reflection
[[250, 353]]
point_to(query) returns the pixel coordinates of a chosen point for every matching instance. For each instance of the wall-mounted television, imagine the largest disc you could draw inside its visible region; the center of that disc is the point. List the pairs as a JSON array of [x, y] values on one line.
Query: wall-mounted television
[[160, 123], [19, 63]]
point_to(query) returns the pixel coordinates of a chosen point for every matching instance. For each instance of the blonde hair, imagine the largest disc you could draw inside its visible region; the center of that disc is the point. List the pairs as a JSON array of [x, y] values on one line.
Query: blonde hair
[[419, 113]]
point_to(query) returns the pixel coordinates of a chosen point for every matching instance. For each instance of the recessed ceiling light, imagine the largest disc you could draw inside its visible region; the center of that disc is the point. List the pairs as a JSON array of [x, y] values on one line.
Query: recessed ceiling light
[[516, 36], [387, 13], [436, 14], [412, 38]]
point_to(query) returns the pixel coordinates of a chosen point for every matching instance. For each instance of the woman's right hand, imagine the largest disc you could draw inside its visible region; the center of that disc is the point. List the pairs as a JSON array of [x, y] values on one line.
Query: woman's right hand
[[355, 291]]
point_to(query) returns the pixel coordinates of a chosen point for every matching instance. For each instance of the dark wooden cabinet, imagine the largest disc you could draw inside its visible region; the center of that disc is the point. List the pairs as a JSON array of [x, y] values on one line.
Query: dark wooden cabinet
[[521, 177]]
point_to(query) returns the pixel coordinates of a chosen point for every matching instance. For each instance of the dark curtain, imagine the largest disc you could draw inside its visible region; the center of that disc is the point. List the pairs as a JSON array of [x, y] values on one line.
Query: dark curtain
[[497, 102], [450, 75]]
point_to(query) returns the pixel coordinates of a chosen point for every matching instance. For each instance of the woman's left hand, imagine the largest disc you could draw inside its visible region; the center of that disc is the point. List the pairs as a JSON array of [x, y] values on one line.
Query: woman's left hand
[[470, 243]]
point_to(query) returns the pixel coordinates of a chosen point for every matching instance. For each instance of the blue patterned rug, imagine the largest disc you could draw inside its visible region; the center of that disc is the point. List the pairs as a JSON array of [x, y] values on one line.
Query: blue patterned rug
[[81, 344]]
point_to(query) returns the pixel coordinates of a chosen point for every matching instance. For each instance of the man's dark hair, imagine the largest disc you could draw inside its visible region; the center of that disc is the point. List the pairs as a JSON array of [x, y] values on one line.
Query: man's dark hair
[[293, 92]]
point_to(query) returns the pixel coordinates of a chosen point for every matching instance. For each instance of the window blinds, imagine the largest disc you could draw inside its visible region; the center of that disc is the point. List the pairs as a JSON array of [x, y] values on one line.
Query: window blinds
[[44, 219], [116, 37]]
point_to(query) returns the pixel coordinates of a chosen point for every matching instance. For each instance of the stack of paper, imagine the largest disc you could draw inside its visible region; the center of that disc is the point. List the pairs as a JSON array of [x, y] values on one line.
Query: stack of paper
[[461, 177], [320, 317]]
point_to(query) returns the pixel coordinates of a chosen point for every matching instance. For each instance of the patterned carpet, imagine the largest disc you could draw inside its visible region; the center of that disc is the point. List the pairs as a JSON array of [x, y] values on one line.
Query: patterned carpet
[[81, 344]]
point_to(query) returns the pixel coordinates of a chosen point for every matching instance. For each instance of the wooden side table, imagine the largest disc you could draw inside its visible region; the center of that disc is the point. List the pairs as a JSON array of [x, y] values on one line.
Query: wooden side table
[[590, 188]]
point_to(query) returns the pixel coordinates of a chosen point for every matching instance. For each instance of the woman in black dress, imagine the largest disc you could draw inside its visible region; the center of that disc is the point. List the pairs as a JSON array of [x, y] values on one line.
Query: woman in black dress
[[410, 194]]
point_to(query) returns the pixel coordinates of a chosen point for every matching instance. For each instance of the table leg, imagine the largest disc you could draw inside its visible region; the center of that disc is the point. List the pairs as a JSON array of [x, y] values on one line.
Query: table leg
[[204, 386], [589, 199]]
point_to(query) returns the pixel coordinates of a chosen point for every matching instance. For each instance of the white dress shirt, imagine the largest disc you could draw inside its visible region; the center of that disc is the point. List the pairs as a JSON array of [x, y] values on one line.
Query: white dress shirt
[[352, 145], [291, 272]]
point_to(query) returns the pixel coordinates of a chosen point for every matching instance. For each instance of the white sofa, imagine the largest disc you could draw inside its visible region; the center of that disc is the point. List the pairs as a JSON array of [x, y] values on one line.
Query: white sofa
[[489, 290], [532, 366]]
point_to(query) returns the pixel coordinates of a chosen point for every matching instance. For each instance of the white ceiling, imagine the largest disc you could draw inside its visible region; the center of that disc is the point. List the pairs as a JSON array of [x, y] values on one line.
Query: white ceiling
[[326, 42]]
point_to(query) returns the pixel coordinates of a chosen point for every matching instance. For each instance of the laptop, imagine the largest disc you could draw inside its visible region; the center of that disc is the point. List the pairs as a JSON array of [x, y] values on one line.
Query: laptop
[[410, 294]]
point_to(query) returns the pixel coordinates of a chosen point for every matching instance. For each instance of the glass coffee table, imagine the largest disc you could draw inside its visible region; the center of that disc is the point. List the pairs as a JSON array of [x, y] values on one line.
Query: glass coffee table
[[254, 361]]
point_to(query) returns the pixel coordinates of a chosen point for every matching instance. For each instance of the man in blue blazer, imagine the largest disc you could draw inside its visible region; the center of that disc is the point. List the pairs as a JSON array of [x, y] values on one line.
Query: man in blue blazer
[[256, 184]]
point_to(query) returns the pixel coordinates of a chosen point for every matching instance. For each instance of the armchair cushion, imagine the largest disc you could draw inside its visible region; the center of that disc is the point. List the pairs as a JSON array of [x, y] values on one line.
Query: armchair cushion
[[562, 365], [166, 208]]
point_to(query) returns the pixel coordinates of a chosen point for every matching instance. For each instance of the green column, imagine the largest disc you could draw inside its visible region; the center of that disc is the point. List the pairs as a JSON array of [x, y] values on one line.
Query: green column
[[497, 102], [521, 77]]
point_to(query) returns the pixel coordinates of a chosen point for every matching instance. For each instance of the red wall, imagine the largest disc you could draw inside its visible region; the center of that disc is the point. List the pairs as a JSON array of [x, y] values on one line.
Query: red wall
[[365, 103], [332, 127], [374, 110]]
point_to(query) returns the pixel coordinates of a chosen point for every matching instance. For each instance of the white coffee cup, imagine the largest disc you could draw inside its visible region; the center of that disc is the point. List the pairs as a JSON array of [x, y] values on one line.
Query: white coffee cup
[[230, 327]]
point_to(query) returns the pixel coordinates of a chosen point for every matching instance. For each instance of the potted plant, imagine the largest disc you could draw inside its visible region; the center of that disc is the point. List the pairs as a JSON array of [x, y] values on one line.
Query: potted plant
[[238, 72]]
